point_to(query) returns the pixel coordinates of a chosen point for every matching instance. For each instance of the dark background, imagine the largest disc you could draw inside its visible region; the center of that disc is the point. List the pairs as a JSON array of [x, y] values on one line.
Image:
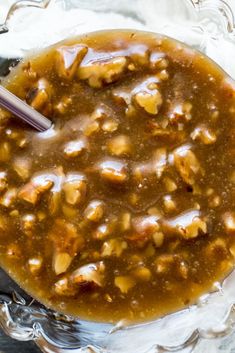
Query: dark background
[[8, 345]]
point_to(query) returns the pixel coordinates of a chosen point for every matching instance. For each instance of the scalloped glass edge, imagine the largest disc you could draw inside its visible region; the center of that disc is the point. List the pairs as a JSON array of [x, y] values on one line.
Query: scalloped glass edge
[[207, 326]]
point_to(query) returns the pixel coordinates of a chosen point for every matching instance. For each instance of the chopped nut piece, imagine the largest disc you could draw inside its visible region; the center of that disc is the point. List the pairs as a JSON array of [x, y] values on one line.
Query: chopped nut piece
[[75, 187], [139, 56], [103, 71], [109, 125], [204, 135], [187, 164], [39, 97], [183, 269], [75, 148], [94, 211], [68, 58], [125, 222], [102, 232], [5, 152], [181, 112], [160, 161], [35, 264], [8, 199], [158, 61], [66, 238], [188, 225], [146, 225], [169, 203], [120, 146], [163, 75], [164, 263], [63, 288], [13, 213], [32, 191], [61, 262], [91, 274], [150, 100], [54, 202], [142, 273], [158, 239], [22, 167], [28, 223], [170, 185], [229, 221], [3, 181], [91, 128], [124, 283], [114, 171], [113, 247]]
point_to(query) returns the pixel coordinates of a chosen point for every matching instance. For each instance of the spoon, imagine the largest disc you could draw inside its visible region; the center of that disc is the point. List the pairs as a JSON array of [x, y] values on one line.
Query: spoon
[[19, 108]]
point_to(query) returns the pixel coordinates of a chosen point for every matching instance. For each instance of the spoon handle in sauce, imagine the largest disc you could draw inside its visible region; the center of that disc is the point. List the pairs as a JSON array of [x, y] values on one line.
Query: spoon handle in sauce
[[22, 110]]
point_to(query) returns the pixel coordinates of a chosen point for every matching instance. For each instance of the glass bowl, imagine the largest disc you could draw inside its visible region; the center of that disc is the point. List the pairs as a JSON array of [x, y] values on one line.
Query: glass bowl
[[208, 25]]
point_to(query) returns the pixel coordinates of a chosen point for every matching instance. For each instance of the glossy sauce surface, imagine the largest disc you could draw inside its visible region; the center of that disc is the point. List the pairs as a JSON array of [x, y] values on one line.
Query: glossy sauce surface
[[125, 208]]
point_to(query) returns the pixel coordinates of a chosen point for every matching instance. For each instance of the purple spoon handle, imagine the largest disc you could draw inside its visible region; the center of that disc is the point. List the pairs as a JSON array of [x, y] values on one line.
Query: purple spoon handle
[[22, 110]]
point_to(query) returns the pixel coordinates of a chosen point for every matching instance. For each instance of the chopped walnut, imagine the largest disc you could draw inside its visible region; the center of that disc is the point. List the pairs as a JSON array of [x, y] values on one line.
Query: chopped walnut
[[8, 199], [91, 128], [114, 171], [142, 274], [159, 161], [113, 247], [158, 61], [75, 187], [102, 232], [146, 225], [164, 262], [170, 184], [204, 135], [158, 239], [63, 288], [3, 181], [125, 222], [139, 57], [22, 167], [66, 238], [229, 221], [39, 97], [109, 125], [61, 262], [169, 203], [187, 164], [54, 202], [35, 264], [91, 274], [28, 223], [120, 146], [181, 112], [68, 58], [33, 190], [187, 225], [103, 71], [148, 99], [75, 148], [94, 211], [124, 283]]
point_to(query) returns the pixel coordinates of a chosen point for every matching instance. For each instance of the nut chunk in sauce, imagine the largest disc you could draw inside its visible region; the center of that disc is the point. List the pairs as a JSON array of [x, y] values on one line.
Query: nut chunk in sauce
[[125, 208]]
